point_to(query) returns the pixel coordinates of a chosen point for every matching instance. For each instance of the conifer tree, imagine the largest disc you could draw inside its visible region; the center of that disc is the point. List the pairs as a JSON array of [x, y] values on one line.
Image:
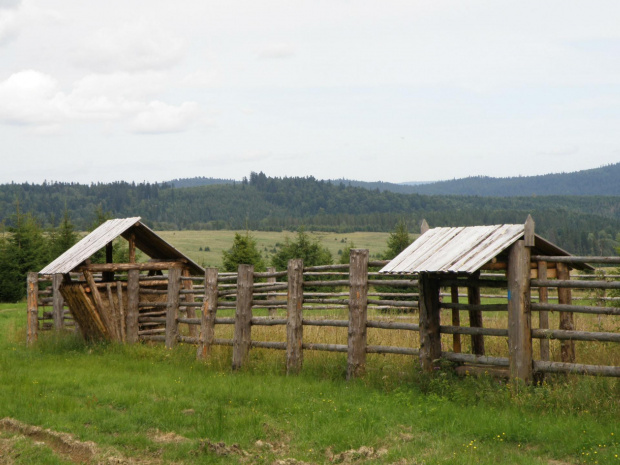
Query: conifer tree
[[243, 251]]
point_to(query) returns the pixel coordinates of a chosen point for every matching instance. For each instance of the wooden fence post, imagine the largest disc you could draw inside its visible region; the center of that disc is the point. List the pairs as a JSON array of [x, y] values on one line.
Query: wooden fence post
[[243, 316], [32, 333], [172, 306], [207, 317], [133, 310], [58, 303], [294, 316], [358, 312], [567, 322], [456, 319], [273, 312], [475, 317], [430, 337], [543, 316], [519, 316], [188, 285]]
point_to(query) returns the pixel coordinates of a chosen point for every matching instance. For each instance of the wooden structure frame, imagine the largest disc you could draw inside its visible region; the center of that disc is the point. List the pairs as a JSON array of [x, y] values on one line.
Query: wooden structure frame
[[107, 307], [455, 257]]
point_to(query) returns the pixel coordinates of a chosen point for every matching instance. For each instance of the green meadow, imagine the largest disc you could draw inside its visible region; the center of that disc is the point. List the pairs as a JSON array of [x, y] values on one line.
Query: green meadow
[[64, 401], [206, 247]]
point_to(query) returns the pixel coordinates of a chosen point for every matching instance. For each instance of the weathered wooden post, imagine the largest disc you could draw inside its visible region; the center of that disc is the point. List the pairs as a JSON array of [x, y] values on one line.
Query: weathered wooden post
[[133, 311], [172, 306], [58, 303], [358, 310], [543, 315], [567, 322], [430, 337], [243, 315], [519, 316], [475, 317], [294, 316], [208, 313], [32, 333], [189, 298], [273, 312], [456, 319]]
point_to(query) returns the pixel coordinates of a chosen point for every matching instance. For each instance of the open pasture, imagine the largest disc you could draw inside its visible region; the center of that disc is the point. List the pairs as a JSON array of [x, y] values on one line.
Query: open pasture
[[191, 242], [144, 404]]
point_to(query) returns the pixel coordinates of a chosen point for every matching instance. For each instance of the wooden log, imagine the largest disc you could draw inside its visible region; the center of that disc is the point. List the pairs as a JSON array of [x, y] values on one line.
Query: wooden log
[[326, 347], [576, 260], [577, 368], [567, 322], [271, 280], [121, 311], [392, 350], [477, 359], [476, 307], [456, 319], [394, 282], [473, 282], [172, 307], [189, 298], [100, 306], [577, 309], [58, 302], [114, 314], [529, 235], [327, 267], [543, 316], [392, 325], [149, 266], [132, 247], [294, 316], [32, 282], [133, 311], [269, 321], [334, 283], [519, 316], [475, 317], [332, 323], [564, 335], [430, 338], [243, 316], [208, 315], [567, 283], [358, 313], [269, 345]]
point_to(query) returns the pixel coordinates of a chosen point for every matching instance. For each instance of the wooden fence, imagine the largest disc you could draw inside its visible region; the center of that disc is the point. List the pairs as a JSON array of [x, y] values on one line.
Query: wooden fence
[[179, 308]]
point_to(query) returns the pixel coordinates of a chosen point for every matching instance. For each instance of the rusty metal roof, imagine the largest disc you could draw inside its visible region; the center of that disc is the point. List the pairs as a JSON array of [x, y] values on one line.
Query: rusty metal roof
[[146, 240], [463, 249]]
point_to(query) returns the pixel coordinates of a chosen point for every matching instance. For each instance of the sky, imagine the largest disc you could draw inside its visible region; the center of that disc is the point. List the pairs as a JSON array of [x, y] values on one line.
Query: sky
[[385, 90]]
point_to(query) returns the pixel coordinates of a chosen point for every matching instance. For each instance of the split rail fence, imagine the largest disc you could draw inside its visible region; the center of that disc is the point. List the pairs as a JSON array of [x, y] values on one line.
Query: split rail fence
[[179, 308]]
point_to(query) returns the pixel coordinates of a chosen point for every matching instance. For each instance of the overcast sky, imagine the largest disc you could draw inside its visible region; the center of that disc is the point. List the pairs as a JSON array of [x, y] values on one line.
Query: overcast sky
[[370, 90]]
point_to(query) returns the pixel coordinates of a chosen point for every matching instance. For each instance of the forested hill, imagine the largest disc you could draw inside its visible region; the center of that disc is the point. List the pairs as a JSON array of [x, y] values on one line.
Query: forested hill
[[579, 224], [598, 181]]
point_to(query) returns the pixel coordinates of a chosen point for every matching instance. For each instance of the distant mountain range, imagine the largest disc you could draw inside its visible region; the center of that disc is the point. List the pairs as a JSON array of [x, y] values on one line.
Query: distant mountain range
[[598, 181]]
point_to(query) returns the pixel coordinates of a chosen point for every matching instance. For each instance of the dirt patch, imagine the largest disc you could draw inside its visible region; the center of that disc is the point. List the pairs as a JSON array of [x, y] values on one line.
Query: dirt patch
[[220, 448], [166, 438], [355, 455], [61, 443]]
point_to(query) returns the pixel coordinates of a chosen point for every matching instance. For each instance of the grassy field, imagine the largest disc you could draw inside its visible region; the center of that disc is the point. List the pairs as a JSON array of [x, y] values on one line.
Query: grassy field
[[67, 402], [191, 243]]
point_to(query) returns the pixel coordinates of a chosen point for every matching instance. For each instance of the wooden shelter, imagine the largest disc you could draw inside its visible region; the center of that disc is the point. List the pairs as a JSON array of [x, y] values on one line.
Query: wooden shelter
[[106, 306], [454, 257]]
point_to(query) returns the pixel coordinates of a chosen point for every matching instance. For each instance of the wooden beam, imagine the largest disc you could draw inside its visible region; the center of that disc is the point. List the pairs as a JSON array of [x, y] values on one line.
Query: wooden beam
[[567, 322], [189, 298], [519, 316], [33, 308], [155, 266], [172, 307], [430, 337], [133, 311], [208, 315], [358, 309], [243, 316], [424, 227], [529, 235], [475, 317], [543, 316], [294, 316], [456, 319], [59, 302]]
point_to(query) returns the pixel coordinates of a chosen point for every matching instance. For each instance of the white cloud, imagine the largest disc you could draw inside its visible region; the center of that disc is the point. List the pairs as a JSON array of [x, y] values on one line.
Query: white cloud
[[135, 46], [9, 21], [32, 98], [159, 117], [275, 51]]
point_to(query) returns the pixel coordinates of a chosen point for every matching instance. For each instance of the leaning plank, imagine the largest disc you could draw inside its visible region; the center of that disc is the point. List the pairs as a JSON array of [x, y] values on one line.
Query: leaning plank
[[84, 312]]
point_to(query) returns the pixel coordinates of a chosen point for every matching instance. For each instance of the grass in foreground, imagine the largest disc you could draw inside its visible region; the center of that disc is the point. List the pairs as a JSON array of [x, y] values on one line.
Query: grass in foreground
[[149, 405]]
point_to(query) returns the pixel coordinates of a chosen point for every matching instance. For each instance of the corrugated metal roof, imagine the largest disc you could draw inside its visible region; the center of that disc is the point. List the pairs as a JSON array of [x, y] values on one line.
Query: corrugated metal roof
[[146, 240], [455, 250]]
